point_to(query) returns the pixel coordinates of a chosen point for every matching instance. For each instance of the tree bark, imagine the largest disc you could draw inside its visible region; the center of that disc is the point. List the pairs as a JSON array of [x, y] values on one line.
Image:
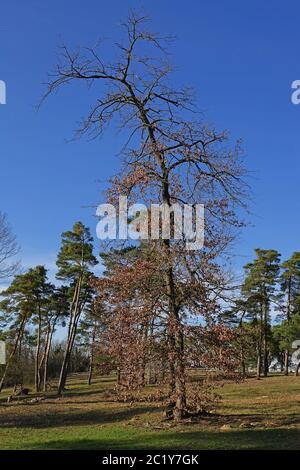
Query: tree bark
[[45, 360], [258, 365], [37, 356], [288, 317], [286, 362], [265, 342], [91, 365], [75, 314]]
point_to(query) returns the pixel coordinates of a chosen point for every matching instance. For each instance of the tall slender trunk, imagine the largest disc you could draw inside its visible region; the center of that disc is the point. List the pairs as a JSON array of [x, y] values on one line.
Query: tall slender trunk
[[258, 364], [46, 360], [265, 342], [75, 314], [243, 363], [286, 362], [37, 376], [297, 369], [259, 344], [288, 316], [91, 365]]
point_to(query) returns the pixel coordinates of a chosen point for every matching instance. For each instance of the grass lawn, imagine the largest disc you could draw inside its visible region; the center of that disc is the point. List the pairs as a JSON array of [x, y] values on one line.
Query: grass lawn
[[255, 414]]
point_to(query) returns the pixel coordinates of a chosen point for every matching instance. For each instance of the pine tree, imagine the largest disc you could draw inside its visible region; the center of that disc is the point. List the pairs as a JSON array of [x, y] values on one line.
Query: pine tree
[[74, 261], [25, 299], [259, 289], [290, 287]]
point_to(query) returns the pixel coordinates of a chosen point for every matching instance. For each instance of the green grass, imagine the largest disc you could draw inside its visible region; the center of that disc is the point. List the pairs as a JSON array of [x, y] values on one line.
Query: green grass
[[253, 415]]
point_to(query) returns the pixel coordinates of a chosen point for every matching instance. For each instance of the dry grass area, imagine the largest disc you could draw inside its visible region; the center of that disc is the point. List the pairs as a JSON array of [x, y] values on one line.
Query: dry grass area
[[254, 414]]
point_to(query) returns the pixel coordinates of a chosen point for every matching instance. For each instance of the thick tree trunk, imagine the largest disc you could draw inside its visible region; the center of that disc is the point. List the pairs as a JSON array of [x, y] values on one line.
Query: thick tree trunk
[[66, 361], [297, 369], [176, 342], [180, 408], [177, 369], [176, 359]]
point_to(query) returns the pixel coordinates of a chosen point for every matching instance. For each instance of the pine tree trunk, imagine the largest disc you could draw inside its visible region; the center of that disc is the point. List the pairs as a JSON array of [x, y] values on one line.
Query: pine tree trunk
[[258, 366], [37, 357], [288, 317], [265, 342], [258, 361], [71, 337], [47, 354], [286, 362], [92, 354]]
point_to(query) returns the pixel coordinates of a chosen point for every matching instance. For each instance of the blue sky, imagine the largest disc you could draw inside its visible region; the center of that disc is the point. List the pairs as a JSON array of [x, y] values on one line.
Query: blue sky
[[240, 56]]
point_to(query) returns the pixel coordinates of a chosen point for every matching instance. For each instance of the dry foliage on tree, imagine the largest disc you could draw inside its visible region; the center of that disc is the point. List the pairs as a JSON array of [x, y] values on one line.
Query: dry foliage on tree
[[170, 155]]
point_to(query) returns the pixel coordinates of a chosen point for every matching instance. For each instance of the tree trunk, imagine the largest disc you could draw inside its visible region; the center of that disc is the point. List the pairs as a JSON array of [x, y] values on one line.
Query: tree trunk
[[297, 369], [265, 342], [176, 342], [286, 362], [71, 337], [243, 366], [288, 317], [258, 359], [177, 369], [92, 354], [265, 362], [37, 376], [47, 354], [258, 366], [66, 361]]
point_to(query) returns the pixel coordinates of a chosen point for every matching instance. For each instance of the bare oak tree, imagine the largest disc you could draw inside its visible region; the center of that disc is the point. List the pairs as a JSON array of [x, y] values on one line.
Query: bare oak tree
[[170, 155]]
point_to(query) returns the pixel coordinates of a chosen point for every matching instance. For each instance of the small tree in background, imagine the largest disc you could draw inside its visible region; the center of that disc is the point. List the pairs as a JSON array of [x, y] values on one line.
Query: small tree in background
[[259, 288], [290, 288]]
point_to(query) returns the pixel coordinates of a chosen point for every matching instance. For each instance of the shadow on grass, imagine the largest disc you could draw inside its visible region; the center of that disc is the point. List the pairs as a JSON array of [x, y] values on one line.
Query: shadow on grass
[[70, 417], [74, 393], [201, 440]]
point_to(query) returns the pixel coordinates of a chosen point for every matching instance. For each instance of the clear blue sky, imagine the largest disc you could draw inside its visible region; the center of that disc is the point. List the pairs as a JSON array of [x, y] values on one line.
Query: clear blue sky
[[241, 56]]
